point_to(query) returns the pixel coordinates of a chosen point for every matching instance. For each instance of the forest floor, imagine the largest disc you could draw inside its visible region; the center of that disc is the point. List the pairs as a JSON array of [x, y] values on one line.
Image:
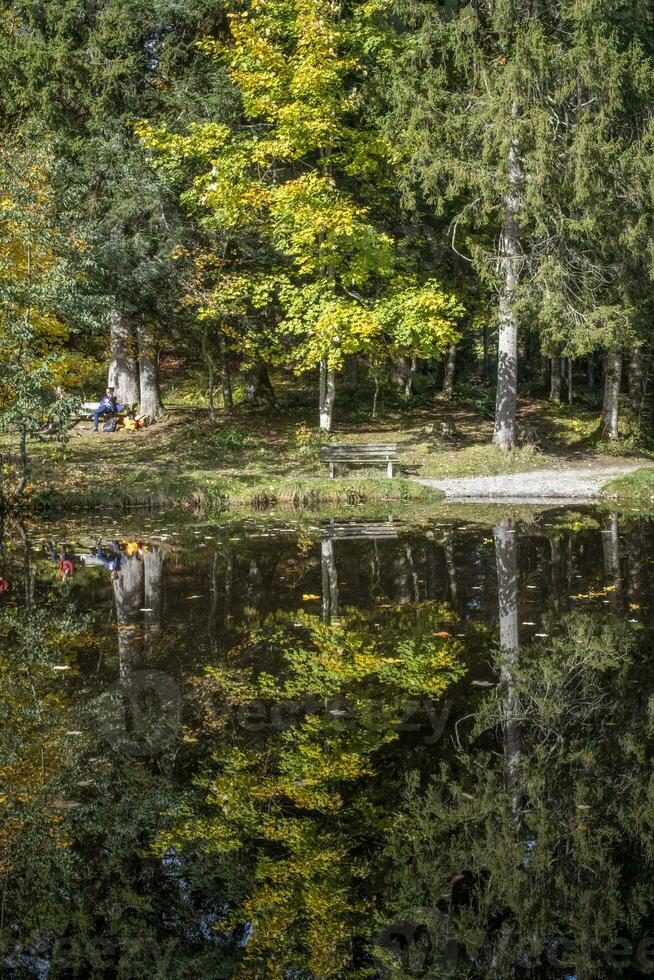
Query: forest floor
[[269, 455]]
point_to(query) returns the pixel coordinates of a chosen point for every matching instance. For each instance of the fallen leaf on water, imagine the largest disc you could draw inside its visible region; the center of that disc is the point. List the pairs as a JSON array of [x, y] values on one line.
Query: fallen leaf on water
[[443, 634], [74, 733], [146, 610], [61, 667], [309, 596], [65, 804], [582, 826], [193, 596], [482, 684]]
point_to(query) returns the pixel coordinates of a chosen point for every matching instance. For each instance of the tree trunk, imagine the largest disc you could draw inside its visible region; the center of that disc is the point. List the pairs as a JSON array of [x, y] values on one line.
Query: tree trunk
[[636, 380], [327, 395], [408, 387], [450, 368], [208, 360], [123, 368], [590, 372], [151, 404], [544, 370], [485, 339], [555, 378], [612, 377], [570, 386], [401, 374], [24, 463], [350, 375], [225, 376], [375, 397], [257, 384], [504, 435]]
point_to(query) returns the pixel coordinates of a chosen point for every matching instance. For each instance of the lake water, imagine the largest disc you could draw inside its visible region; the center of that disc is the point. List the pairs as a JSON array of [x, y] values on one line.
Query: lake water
[[328, 749]]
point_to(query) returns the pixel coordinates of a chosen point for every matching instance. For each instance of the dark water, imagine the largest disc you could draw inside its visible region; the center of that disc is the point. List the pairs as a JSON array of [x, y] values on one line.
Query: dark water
[[328, 750]]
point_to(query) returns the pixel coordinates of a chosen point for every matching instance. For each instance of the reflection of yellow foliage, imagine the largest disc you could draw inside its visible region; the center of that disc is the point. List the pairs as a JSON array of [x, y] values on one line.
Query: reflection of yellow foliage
[[303, 796]]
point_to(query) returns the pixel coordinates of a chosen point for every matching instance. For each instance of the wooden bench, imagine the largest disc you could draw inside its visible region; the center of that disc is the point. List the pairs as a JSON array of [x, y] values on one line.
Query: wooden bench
[[363, 454]]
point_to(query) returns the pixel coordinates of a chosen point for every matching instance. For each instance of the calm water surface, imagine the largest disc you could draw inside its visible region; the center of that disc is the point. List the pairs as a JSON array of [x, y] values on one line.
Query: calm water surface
[[328, 750]]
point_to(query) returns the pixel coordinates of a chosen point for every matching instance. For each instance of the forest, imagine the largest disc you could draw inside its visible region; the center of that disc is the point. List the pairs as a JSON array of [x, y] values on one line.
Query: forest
[[297, 202]]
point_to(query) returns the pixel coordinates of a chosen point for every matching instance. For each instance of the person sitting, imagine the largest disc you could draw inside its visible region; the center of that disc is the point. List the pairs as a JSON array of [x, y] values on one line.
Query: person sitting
[[108, 406]]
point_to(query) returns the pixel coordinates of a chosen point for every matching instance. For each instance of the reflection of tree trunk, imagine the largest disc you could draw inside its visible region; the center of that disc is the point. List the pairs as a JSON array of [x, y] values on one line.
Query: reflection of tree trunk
[[329, 581], [430, 563], [556, 560], [153, 566], [635, 563], [402, 579], [590, 372], [506, 553], [123, 368], [375, 569], [451, 570], [412, 572], [128, 593], [214, 597], [611, 547], [229, 587], [255, 590]]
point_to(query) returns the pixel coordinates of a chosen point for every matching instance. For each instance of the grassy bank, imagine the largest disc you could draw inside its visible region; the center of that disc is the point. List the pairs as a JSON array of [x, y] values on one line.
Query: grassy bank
[[214, 495], [266, 457], [633, 491]]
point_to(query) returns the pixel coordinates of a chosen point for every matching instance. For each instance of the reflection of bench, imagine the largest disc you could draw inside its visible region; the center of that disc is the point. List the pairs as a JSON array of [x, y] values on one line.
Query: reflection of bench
[[365, 454], [360, 530]]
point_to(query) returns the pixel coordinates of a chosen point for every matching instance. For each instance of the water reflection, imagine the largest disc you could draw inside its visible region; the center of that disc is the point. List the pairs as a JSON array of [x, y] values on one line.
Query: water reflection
[[361, 750]]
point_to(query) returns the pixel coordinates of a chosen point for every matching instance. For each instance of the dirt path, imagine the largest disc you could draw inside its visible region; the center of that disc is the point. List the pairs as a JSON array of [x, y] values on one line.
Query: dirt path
[[565, 483]]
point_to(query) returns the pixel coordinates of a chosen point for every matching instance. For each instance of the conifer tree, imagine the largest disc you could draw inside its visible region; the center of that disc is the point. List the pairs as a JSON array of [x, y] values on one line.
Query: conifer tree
[[520, 122]]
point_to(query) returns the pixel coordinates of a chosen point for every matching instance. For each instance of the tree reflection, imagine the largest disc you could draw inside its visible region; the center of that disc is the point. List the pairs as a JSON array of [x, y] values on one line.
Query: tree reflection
[[554, 895]]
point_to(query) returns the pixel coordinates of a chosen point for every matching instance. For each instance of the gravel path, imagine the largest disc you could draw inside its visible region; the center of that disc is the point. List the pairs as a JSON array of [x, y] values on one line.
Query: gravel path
[[567, 483]]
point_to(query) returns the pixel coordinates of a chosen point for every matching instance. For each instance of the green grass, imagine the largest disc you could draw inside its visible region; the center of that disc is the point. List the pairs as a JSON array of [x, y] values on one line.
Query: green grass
[[271, 456], [635, 490]]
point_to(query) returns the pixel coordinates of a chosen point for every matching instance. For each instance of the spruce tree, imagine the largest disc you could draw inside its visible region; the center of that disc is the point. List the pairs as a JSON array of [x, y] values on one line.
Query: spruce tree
[[520, 122]]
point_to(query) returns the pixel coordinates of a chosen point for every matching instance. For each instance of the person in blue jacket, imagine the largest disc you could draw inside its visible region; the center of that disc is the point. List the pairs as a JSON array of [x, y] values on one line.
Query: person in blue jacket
[[108, 406]]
